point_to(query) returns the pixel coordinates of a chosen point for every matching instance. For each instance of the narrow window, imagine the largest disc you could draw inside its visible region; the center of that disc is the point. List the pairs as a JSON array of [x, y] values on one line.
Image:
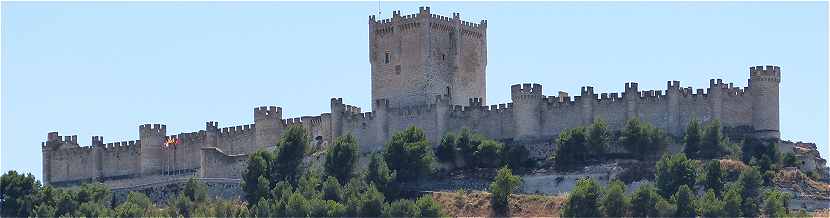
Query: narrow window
[[443, 57], [386, 59]]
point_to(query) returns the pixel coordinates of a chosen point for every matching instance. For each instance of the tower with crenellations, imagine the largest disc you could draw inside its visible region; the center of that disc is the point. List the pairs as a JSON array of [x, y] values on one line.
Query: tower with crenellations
[[418, 56]]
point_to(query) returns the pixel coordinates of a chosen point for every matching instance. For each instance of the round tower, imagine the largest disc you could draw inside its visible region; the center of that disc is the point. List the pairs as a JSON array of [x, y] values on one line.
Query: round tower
[[527, 100], [763, 86]]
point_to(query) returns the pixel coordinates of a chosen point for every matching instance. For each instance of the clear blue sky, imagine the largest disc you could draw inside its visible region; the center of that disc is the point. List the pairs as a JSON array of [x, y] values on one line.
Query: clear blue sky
[[105, 68]]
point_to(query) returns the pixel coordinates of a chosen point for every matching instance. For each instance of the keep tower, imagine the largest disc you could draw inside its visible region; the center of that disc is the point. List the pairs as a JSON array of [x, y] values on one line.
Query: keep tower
[[416, 57]]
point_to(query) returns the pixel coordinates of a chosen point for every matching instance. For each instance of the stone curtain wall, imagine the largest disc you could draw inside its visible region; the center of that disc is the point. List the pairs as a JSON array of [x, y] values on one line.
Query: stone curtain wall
[[531, 116]]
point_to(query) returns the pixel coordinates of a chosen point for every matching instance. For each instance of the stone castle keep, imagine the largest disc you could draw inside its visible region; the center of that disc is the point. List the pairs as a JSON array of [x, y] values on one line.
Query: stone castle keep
[[427, 71]]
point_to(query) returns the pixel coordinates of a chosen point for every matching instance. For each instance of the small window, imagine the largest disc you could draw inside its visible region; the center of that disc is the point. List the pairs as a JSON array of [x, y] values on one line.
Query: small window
[[386, 59], [443, 57]]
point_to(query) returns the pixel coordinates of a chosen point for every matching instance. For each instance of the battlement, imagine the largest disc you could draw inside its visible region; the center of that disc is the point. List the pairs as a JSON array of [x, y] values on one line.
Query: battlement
[[476, 102], [211, 125], [267, 112], [121, 145], [673, 85], [153, 128], [236, 130], [762, 71], [97, 140], [387, 25], [631, 87]]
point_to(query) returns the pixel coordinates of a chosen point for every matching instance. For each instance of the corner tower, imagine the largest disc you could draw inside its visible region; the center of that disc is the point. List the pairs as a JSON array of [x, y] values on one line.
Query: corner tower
[[416, 57], [763, 86]]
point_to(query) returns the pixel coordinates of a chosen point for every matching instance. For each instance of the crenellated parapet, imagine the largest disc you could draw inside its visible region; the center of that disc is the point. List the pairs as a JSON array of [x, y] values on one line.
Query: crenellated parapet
[[765, 73]]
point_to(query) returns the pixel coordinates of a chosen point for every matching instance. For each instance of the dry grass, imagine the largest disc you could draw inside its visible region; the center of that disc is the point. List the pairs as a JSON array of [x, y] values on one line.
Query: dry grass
[[477, 204], [822, 213], [732, 165]]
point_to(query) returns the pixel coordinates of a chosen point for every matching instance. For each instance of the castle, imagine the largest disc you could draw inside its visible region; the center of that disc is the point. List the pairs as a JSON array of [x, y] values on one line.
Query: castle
[[427, 71]]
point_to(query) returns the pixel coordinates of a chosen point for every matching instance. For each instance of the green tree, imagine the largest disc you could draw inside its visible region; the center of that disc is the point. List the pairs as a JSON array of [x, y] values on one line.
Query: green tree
[[381, 176], [584, 200], [341, 158], [94, 209], [790, 160], [732, 201], [684, 199], [710, 205], [94, 192], [195, 190], [775, 203], [16, 194], [613, 202], [332, 190], [446, 150], [296, 206], [467, 145], [642, 139], [489, 153], [692, 139], [372, 202], [501, 188], [290, 154], [750, 182], [571, 149], [180, 205], [517, 157], [135, 205], [713, 143], [402, 208], [674, 171], [410, 155], [428, 206], [256, 177], [598, 138], [309, 184], [66, 203], [644, 201], [713, 177]]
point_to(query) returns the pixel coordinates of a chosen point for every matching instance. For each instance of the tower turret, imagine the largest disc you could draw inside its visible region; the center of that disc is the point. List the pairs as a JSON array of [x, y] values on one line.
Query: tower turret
[[763, 86], [151, 156], [527, 110], [418, 56], [267, 125]]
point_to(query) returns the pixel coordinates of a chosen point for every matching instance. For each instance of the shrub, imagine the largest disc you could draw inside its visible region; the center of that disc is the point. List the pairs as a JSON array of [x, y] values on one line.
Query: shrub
[[501, 188], [732, 201], [775, 203], [642, 139], [332, 190], [692, 139], [750, 182], [613, 202], [684, 199], [489, 153], [713, 143], [597, 138], [713, 178], [710, 205], [428, 206], [296, 206], [290, 154], [584, 200], [256, 176], [341, 158], [644, 201], [402, 208], [409, 154], [371, 203], [570, 150], [517, 157], [446, 150], [381, 176], [674, 171], [195, 190]]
